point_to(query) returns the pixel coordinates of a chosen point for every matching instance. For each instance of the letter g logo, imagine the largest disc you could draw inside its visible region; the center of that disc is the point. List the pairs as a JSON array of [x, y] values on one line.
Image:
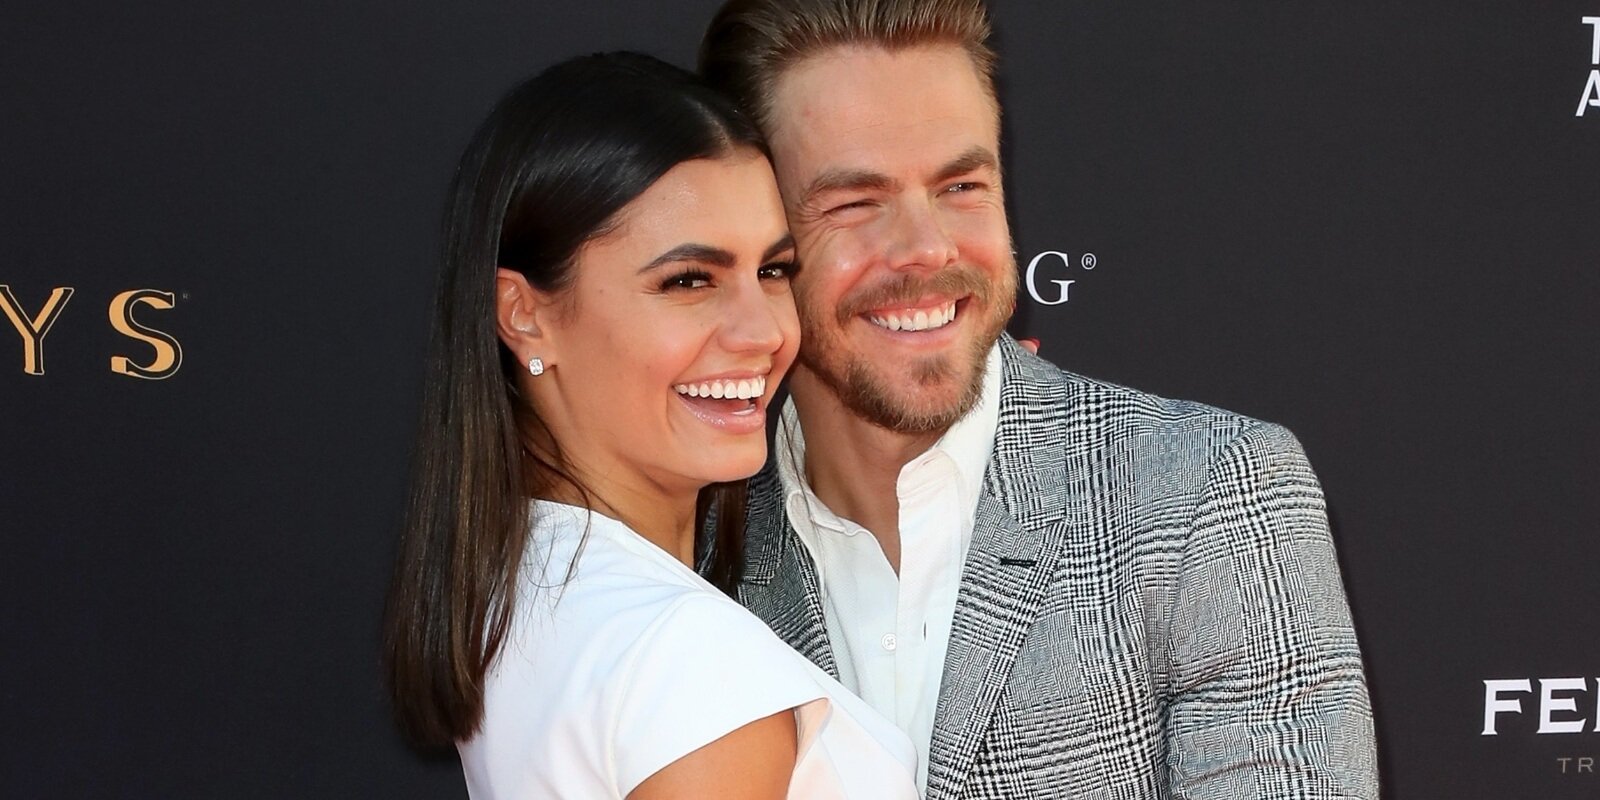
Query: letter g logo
[[1033, 286]]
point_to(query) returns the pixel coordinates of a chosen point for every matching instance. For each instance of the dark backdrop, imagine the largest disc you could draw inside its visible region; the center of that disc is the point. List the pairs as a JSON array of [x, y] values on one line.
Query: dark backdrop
[[1373, 222]]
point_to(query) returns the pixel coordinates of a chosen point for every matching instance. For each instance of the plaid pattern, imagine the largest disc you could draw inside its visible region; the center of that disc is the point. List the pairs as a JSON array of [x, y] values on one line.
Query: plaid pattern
[[1150, 608]]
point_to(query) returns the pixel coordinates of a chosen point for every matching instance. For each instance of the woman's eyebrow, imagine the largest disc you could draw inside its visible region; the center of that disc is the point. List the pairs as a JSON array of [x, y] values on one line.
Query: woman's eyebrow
[[691, 251], [786, 243]]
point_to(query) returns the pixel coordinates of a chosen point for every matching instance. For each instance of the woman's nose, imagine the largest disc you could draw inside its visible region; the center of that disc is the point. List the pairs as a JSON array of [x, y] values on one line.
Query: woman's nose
[[752, 323]]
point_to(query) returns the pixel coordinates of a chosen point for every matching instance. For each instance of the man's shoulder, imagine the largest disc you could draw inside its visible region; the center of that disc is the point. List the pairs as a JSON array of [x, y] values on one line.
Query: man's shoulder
[[1093, 411]]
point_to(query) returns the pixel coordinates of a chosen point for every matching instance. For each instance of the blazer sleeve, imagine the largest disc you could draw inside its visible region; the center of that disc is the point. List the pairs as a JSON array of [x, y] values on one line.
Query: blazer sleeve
[[1266, 695]]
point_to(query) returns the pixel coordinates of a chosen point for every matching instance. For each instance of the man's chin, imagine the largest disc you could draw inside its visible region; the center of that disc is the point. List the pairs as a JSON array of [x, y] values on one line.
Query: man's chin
[[912, 399]]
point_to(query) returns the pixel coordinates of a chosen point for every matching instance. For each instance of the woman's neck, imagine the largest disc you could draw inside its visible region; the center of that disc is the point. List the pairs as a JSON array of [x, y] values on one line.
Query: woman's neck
[[663, 516]]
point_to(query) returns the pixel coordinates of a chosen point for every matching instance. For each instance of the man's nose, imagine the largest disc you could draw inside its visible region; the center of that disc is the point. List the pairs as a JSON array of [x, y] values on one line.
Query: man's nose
[[919, 239]]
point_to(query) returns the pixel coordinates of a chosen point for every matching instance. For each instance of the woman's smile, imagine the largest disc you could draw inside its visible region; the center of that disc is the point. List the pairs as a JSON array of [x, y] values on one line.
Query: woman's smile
[[734, 404]]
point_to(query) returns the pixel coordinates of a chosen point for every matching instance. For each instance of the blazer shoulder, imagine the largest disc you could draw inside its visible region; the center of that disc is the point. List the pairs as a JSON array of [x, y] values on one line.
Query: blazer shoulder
[[1161, 447], [1117, 430], [1118, 412], [1059, 426], [1132, 404], [1034, 384]]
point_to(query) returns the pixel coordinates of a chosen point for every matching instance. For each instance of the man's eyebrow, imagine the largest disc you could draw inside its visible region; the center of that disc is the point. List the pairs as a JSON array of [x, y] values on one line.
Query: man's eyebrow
[[699, 253], [786, 243], [834, 180], [976, 157]]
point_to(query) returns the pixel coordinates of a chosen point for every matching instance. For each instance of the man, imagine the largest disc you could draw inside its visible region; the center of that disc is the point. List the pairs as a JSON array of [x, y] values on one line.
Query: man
[[1057, 587]]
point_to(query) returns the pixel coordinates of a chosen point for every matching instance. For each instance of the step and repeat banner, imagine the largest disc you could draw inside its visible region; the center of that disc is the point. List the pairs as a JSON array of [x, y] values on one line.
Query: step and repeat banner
[[1376, 223]]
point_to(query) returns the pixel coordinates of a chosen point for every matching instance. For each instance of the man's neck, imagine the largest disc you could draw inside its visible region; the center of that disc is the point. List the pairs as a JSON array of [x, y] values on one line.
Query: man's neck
[[852, 465]]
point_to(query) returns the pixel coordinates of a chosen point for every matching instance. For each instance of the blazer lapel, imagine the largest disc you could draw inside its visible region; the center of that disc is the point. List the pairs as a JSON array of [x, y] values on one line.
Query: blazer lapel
[[780, 583], [1017, 538]]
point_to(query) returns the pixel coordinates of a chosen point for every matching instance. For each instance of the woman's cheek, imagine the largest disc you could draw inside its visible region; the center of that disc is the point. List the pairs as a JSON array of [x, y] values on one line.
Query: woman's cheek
[[788, 322]]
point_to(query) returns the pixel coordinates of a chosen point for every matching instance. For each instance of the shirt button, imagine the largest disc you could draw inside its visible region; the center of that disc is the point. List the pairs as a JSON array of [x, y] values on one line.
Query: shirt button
[[888, 642]]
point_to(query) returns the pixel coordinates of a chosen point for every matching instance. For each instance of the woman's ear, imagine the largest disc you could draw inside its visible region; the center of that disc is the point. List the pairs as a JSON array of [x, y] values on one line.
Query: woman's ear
[[522, 317]]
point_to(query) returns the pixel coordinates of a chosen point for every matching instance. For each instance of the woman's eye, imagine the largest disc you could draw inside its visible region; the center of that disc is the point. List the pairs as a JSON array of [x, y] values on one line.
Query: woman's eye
[[686, 280], [777, 270]]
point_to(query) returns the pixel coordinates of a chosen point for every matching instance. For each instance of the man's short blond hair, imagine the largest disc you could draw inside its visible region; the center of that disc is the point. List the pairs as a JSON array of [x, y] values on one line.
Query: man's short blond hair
[[750, 43]]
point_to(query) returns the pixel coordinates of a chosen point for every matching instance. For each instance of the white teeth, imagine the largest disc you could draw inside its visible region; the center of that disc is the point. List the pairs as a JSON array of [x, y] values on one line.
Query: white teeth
[[725, 389], [921, 320]]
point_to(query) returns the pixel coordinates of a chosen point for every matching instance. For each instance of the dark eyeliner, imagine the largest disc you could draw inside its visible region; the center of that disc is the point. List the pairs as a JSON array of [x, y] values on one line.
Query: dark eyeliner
[[787, 268], [677, 280]]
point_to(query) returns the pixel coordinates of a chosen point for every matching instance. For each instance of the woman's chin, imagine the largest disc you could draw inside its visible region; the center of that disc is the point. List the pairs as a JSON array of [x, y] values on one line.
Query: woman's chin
[[735, 466]]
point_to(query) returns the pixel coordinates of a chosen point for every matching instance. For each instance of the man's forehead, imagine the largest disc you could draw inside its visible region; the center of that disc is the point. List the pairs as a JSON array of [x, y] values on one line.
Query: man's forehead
[[867, 107], [864, 79]]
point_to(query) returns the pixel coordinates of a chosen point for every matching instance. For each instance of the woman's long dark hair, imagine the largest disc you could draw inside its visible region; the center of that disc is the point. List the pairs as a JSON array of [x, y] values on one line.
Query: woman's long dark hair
[[549, 169]]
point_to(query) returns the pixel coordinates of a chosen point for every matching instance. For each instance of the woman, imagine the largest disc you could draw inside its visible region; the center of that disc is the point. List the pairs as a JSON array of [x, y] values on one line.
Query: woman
[[614, 317]]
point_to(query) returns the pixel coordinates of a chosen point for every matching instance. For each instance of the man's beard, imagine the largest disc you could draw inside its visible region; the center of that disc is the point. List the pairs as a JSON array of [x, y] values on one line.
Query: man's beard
[[867, 392]]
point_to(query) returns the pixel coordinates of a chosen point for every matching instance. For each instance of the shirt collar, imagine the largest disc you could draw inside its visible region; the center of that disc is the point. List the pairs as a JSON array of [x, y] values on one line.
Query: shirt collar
[[964, 449], [806, 511]]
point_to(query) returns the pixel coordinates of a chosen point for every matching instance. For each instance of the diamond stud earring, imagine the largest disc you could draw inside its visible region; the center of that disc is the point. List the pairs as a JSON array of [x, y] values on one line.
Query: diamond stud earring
[[535, 366]]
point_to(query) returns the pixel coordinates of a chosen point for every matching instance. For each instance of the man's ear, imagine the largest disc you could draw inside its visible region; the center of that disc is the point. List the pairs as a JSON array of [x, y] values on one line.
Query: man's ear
[[523, 317]]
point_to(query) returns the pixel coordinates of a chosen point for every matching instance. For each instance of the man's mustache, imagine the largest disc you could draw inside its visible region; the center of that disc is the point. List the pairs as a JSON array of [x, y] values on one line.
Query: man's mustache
[[907, 289]]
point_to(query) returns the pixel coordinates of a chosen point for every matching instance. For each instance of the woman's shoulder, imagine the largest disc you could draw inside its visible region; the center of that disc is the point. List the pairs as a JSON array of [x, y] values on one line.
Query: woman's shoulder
[[579, 557], [707, 630], [599, 594], [606, 588]]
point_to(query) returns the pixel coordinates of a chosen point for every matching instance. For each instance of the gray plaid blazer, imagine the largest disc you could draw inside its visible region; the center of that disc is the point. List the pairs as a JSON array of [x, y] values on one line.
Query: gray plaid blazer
[[1150, 608]]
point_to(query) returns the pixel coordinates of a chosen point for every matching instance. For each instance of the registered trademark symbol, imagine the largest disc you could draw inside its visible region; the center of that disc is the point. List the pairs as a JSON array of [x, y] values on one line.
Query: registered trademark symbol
[[184, 295], [1088, 261]]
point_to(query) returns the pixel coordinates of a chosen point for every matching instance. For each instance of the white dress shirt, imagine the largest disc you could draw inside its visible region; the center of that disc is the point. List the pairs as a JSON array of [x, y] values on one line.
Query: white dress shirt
[[889, 633]]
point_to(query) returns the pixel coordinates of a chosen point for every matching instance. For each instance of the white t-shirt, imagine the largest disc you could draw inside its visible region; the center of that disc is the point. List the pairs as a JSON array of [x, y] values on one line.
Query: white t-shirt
[[635, 662]]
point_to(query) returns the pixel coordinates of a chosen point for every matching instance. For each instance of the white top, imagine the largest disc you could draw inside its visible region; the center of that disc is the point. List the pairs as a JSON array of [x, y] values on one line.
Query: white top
[[635, 662], [890, 633]]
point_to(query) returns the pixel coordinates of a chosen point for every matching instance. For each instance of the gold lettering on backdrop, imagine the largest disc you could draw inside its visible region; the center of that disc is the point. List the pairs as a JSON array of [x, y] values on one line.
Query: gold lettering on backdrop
[[33, 329], [169, 355]]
